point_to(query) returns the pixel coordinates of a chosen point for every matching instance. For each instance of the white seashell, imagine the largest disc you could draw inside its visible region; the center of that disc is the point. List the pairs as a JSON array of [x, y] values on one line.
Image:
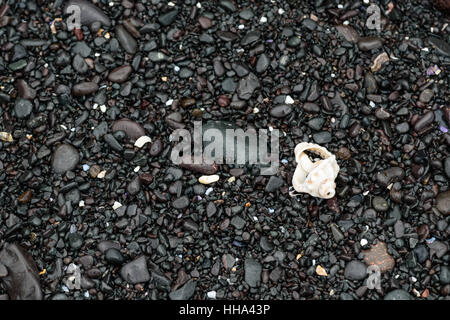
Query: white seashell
[[141, 141], [208, 179], [315, 178]]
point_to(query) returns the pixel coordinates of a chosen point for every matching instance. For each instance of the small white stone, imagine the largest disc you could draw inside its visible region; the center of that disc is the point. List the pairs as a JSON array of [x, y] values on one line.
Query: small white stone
[[86, 167], [208, 179], [333, 75], [314, 262], [241, 27], [171, 4], [333, 120], [390, 186], [263, 20], [340, 6], [72, 129], [86, 294], [364, 242], [372, 104], [141, 141], [413, 279], [137, 169], [366, 1], [346, 23], [95, 106], [63, 126], [81, 203], [97, 54], [270, 129], [280, 11], [116, 205], [111, 4], [176, 68], [101, 174], [284, 161], [271, 210], [103, 108], [199, 5], [365, 193], [169, 102], [209, 190], [255, 110], [289, 100], [212, 294], [255, 218], [231, 179]]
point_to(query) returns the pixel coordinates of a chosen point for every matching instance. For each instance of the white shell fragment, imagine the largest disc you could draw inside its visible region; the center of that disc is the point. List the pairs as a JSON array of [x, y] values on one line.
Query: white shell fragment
[[141, 141], [208, 179], [6, 136], [315, 178]]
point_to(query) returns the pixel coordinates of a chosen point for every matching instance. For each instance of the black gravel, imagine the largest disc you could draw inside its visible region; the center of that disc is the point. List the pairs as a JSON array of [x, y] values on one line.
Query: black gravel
[[84, 214]]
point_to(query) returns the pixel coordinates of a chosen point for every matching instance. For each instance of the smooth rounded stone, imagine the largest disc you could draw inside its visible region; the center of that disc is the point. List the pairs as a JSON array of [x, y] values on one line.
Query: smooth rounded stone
[[311, 107], [22, 280], [181, 203], [398, 294], [263, 63], [337, 233], [281, 111], [134, 186], [370, 83], [82, 49], [274, 184], [168, 18], [23, 108], [322, 137], [369, 43], [380, 204], [444, 275], [185, 292], [79, 64], [120, 74], [60, 297], [228, 85], [24, 90], [75, 240], [112, 142], [443, 202], [399, 229], [246, 14], [426, 95], [126, 40], [252, 272], [104, 245], [355, 270], [390, 175], [156, 56], [65, 158], [205, 22], [227, 36], [421, 252], [447, 166], [402, 127], [135, 271], [382, 114], [424, 121], [132, 129], [250, 37], [316, 123], [114, 256], [84, 89], [89, 13], [294, 42], [344, 153], [247, 86], [348, 32], [441, 46], [156, 148]]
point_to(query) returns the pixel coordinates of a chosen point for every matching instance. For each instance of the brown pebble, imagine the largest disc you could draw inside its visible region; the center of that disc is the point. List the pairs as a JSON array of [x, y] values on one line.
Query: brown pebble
[[25, 197]]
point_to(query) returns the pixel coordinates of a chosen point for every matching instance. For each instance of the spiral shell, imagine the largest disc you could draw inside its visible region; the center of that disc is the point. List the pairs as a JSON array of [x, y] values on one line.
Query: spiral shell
[[315, 178]]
